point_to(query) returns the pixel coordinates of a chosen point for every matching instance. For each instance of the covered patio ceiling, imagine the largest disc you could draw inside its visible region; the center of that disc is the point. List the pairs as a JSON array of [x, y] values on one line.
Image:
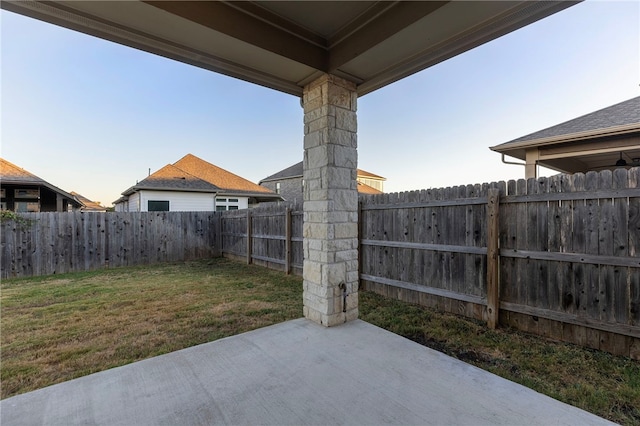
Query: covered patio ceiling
[[285, 45]]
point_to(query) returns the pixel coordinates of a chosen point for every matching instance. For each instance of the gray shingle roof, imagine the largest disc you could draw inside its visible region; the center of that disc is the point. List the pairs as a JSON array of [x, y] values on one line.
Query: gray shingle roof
[[171, 178], [297, 170], [292, 171], [621, 114]]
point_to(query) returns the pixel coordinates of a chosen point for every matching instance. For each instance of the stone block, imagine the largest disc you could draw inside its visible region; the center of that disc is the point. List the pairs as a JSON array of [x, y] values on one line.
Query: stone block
[[315, 206], [341, 137], [345, 199], [313, 104], [317, 157], [345, 230], [334, 319], [321, 256], [322, 122], [318, 113], [338, 245], [320, 231], [353, 276], [337, 178], [345, 156], [337, 95], [317, 194], [333, 274], [346, 120], [351, 314], [312, 271], [344, 256], [312, 140], [352, 288], [317, 289], [352, 265]]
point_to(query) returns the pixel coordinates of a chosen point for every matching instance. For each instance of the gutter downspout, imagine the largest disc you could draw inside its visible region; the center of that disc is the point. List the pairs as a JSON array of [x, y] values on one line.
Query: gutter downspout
[[512, 162]]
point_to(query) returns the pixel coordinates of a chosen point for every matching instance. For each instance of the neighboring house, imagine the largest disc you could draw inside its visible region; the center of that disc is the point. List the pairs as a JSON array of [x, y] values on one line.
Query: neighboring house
[[604, 139], [22, 191], [87, 205], [192, 184], [289, 183]]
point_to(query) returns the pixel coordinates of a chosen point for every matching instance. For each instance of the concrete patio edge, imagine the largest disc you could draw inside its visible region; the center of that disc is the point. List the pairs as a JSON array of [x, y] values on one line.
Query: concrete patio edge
[[294, 373]]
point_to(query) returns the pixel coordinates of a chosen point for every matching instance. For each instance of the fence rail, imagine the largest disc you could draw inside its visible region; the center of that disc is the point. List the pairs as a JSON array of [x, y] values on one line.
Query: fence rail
[[268, 235]]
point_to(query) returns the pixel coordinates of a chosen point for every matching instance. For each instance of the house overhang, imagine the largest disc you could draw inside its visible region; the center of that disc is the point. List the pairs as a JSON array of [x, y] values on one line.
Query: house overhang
[[135, 189], [70, 198], [285, 45], [581, 151], [258, 196]]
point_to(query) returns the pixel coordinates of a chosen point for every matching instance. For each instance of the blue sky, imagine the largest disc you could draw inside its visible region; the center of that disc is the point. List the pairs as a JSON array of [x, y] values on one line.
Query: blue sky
[[93, 117]]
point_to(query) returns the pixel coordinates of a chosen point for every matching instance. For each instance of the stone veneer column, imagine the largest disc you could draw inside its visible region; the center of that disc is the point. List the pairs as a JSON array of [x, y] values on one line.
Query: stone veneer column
[[330, 201]]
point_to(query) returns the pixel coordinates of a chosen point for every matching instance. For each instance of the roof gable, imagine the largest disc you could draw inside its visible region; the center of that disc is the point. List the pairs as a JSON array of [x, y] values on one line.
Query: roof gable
[[173, 178], [220, 178]]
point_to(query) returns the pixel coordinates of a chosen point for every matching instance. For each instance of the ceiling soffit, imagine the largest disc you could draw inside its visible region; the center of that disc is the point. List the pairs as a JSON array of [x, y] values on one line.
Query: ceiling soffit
[[284, 45]]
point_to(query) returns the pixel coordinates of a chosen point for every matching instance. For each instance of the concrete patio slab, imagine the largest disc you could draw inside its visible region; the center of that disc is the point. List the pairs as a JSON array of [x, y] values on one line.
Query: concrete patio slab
[[294, 373]]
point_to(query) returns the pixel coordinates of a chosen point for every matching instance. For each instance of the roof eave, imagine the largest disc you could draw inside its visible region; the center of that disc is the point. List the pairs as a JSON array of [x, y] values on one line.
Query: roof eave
[[509, 147], [134, 189]]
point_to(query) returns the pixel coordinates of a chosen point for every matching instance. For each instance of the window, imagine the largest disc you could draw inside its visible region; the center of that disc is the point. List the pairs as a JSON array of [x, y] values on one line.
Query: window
[[27, 206], [3, 193], [26, 193], [158, 206], [223, 204], [3, 205], [277, 187]]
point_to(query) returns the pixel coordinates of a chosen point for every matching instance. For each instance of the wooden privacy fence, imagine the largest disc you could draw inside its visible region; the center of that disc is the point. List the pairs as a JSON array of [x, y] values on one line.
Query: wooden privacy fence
[[268, 235], [558, 256], [54, 243], [554, 256]]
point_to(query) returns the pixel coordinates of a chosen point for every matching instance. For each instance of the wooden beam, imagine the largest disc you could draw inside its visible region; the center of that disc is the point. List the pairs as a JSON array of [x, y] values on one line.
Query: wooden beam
[[235, 23], [372, 28]]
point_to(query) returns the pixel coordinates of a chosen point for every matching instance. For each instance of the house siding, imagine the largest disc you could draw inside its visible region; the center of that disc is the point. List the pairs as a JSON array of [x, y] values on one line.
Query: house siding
[[134, 202], [178, 201]]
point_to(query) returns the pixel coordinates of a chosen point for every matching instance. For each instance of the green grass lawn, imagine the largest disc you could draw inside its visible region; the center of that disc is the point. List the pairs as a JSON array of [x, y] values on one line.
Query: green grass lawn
[[59, 327]]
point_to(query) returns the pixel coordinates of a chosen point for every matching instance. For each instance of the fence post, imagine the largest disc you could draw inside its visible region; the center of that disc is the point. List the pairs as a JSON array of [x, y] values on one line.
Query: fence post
[[287, 241], [493, 258], [249, 231], [360, 234]]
